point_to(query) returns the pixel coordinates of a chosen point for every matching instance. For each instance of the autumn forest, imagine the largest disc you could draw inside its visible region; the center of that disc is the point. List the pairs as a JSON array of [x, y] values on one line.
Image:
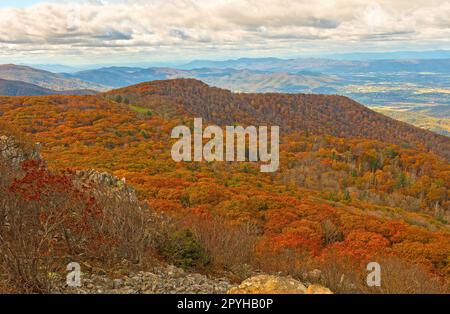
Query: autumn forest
[[353, 187]]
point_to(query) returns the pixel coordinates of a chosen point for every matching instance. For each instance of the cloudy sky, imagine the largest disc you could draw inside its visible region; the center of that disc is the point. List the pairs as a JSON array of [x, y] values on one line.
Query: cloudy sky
[[132, 31]]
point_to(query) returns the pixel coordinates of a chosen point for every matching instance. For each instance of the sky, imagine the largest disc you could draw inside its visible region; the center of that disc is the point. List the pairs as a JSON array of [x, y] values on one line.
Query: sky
[[17, 3], [171, 31]]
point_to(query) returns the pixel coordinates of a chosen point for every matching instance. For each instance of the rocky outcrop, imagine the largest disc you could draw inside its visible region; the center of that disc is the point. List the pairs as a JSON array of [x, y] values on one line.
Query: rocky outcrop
[[113, 186], [15, 153], [103, 178], [162, 280], [267, 284], [168, 279]]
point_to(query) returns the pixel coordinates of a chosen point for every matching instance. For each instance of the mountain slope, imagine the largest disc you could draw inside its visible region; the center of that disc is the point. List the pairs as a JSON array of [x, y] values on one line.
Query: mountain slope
[[17, 88], [236, 80], [124, 76], [320, 114], [326, 65], [44, 79], [418, 118], [262, 81]]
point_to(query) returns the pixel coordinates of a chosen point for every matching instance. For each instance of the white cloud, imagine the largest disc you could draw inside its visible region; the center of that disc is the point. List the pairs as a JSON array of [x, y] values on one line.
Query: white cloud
[[167, 29]]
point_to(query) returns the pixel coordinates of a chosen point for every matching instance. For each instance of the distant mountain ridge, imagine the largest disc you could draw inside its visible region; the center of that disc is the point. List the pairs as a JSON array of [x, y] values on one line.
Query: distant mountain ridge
[[391, 55], [328, 76], [103, 79], [18, 88], [325, 65], [45, 79], [237, 80], [124, 76]]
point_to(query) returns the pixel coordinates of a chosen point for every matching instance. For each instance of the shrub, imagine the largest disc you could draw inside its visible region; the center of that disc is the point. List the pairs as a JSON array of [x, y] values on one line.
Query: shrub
[[48, 220], [229, 246], [330, 232], [286, 262], [343, 275], [184, 250], [118, 98], [401, 277], [44, 219]]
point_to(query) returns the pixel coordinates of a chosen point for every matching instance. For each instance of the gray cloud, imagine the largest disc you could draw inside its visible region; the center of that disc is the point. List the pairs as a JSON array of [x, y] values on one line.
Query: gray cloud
[[187, 27]]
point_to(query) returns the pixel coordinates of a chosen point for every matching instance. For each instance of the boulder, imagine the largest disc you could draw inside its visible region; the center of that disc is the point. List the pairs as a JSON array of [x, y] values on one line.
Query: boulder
[[318, 289], [267, 284]]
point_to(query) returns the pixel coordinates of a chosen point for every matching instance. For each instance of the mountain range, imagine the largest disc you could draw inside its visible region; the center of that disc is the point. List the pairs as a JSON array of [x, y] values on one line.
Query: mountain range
[[45, 79], [244, 80], [326, 65], [18, 88], [404, 86]]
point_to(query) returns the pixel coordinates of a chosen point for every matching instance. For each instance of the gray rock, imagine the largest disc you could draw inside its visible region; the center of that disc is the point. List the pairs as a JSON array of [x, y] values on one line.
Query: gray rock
[[162, 280], [117, 283]]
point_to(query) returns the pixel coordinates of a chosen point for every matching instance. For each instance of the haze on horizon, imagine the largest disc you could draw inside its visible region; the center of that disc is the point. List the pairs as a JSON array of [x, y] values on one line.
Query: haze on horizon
[[171, 31]]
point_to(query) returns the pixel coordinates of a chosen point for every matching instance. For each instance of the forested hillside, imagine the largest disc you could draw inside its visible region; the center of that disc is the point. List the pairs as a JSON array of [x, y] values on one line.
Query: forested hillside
[[353, 185], [318, 114]]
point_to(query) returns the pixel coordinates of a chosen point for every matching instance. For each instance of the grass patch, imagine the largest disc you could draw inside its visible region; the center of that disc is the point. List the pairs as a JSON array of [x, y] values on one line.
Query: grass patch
[[139, 109]]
